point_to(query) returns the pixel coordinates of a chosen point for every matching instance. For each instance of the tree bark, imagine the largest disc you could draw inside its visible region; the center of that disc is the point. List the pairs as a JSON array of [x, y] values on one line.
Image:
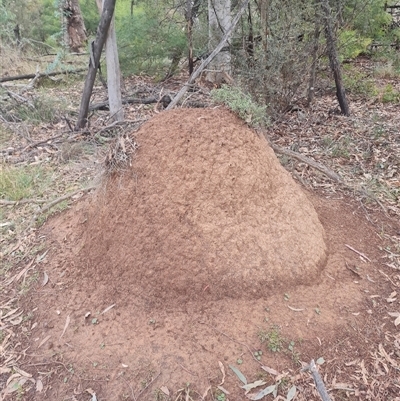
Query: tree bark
[[113, 71], [333, 57], [189, 33], [311, 83], [219, 20], [76, 31], [264, 25], [97, 46]]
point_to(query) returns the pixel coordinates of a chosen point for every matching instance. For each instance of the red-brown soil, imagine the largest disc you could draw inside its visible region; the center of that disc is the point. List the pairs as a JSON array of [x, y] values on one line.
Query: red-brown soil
[[205, 243]]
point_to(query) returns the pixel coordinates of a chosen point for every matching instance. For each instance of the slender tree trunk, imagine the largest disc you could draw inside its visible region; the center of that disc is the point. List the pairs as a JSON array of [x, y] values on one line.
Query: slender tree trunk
[[219, 20], [189, 32], [75, 27], [96, 48], [333, 57], [264, 24], [113, 71], [311, 84]]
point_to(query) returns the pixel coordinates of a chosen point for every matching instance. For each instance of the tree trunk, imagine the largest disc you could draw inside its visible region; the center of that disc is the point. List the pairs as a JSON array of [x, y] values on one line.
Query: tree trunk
[[113, 71], [96, 48], [264, 25], [75, 27], [189, 33], [219, 20], [311, 84], [333, 57]]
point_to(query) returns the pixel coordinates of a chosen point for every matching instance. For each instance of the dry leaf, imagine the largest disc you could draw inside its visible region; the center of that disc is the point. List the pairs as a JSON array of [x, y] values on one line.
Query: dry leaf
[[107, 309], [39, 386], [43, 341], [17, 321], [21, 372], [66, 325], [270, 370], [45, 279], [165, 390], [221, 366]]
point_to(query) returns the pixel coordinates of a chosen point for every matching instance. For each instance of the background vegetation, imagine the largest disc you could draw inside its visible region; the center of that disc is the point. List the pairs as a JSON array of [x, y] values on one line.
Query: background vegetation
[[152, 39]]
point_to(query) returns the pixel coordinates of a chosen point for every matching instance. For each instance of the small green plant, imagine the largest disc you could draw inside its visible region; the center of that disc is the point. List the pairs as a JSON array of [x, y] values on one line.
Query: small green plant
[[258, 355], [390, 95], [220, 396], [242, 104], [293, 352], [273, 338]]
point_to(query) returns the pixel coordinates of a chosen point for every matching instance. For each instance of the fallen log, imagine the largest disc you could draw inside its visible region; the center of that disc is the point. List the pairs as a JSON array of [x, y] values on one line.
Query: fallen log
[[165, 101], [50, 74], [318, 166]]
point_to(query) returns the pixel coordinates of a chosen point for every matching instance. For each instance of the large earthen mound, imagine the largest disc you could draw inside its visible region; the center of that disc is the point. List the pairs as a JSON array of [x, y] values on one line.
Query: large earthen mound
[[205, 210]]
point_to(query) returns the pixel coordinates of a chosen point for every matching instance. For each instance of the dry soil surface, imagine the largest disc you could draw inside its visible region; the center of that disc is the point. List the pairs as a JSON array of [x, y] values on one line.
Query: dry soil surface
[[184, 262]]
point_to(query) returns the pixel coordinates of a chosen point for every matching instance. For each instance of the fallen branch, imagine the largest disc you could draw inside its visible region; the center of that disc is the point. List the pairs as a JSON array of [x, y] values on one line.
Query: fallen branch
[[21, 202], [60, 199], [358, 252], [318, 166], [210, 57], [318, 381], [165, 100], [50, 74]]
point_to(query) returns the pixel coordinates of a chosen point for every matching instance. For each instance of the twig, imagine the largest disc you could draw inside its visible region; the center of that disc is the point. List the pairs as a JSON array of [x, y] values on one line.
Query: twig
[[33, 145], [50, 74], [232, 339], [187, 370], [20, 98], [358, 252], [204, 64], [21, 202], [105, 105], [328, 172], [60, 199], [318, 381]]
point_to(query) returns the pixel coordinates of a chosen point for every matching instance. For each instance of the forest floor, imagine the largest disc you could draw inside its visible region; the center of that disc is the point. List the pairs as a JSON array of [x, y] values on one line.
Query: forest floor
[[77, 327]]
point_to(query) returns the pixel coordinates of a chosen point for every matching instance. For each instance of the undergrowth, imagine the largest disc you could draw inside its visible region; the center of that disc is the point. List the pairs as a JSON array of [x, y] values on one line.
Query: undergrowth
[[242, 104], [17, 183]]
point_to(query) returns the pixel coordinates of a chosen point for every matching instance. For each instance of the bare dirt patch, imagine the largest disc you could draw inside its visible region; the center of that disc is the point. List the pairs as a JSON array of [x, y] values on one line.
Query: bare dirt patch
[[164, 308]]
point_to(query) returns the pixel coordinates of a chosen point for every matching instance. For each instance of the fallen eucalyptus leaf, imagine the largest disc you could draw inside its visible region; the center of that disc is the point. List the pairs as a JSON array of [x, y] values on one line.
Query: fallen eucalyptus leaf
[[45, 279], [66, 325], [165, 390], [291, 393], [239, 374], [255, 384], [39, 386], [262, 393]]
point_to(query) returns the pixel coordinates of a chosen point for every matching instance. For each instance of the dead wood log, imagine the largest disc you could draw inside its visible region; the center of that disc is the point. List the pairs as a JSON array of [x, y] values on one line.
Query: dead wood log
[[50, 74], [165, 100], [318, 166], [60, 199], [319, 383]]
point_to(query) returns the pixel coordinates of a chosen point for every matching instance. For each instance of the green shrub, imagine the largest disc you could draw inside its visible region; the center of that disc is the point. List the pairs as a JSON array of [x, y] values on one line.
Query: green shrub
[[352, 44], [390, 94], [241, 104], [145, 44]]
